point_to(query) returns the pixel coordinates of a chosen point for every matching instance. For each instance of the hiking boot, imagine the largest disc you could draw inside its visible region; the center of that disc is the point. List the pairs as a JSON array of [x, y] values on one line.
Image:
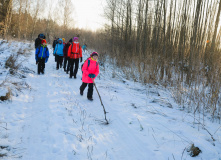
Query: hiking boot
[[75, 77], [66, 72], [90, 99], [81, 92]]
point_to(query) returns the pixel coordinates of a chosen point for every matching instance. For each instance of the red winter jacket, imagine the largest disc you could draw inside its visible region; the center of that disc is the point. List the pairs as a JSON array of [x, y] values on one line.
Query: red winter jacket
[[75, 51]]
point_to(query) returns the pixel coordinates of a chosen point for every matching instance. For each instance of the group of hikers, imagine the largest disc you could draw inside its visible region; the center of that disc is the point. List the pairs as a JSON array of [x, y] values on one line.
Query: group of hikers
[[68, 55]]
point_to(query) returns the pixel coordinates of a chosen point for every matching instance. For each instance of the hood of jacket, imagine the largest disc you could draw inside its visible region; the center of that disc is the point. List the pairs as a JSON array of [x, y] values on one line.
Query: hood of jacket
[[60, 40]]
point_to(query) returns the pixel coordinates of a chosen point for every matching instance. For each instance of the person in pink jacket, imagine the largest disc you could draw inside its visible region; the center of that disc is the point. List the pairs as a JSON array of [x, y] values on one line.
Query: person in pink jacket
[[90, 71]]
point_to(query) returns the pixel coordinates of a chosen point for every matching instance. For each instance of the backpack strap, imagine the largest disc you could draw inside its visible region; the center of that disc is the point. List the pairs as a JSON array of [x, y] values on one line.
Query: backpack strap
[[72, 48], [88, 62], [79, 48]]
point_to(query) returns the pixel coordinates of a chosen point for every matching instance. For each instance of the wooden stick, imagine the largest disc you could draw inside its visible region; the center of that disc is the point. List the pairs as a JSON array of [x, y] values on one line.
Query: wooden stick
[[101, 101]]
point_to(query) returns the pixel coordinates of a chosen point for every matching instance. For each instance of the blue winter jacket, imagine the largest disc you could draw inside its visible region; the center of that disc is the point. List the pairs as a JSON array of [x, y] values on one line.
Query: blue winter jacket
[[84, 47], [59, 48], [42, 52]]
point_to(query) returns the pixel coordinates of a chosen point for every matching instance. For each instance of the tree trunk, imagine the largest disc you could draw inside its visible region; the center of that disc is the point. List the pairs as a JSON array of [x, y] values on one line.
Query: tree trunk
[[7, 18]]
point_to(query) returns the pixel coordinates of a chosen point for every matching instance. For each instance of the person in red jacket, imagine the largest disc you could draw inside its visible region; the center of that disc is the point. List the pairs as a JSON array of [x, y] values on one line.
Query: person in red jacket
[[74, 53], [90, 71]]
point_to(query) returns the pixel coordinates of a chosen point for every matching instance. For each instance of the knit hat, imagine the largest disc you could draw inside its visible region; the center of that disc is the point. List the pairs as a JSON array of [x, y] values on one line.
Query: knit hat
[[94, 54], [43, 41], [41, 35], [63, 39], [75, 38]]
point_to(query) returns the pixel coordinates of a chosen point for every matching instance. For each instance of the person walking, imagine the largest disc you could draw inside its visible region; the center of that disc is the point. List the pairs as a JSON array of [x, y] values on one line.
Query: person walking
[[63, 39], [74, 53], [41, 56], [90, 71], [39, 39], [66, 58], [54, 43], [84, 47], [59, 53]]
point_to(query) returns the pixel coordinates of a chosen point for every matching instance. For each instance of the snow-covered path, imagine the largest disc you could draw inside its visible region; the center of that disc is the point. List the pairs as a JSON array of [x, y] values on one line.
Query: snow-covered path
[[53, 122]]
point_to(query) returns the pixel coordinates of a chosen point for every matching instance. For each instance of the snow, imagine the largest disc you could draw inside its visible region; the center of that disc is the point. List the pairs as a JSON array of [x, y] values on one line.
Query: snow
[[49, 119]]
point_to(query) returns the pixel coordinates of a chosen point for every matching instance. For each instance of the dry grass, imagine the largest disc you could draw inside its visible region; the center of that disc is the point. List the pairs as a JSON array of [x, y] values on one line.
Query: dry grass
[[194, 151], [7, 96], [11, 63]]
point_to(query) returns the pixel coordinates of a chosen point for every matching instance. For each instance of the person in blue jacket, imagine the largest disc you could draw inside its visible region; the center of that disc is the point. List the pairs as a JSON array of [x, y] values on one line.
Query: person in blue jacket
[[58, 51], [84, 47], [41, 56]]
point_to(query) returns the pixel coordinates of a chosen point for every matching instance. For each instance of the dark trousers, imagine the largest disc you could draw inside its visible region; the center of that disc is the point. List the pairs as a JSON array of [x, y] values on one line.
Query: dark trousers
[[59, 61], [41, 65], [90, 89], [74, 63], [66, 63]]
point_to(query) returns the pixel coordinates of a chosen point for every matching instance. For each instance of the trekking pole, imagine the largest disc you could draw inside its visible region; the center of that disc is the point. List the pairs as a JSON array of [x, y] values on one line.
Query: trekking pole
[[101, 102]]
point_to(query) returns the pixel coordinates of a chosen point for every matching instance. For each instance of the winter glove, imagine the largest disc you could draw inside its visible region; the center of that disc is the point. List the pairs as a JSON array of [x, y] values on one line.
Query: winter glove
[[81, 59], [46, 59], [36, 62], [91, 75]]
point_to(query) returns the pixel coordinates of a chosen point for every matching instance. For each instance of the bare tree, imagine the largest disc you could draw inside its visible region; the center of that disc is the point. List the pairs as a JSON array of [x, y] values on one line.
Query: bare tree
[[67, 19], [35, 17], [27, 9], [216, 28], [6, 12], [19, 18]]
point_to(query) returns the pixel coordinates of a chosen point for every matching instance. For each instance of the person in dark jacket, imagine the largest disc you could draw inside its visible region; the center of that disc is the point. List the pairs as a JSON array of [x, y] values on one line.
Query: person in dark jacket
[[41, 56], [54, 43], [39, 39], [66, 59]]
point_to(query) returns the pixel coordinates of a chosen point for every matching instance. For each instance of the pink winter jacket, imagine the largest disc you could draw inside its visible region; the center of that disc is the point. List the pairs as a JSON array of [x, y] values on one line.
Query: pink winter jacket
[[92, 69]]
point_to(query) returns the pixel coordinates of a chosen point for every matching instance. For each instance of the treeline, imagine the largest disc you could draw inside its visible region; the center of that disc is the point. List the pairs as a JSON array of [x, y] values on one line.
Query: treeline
[[173, 43], [25, 19]]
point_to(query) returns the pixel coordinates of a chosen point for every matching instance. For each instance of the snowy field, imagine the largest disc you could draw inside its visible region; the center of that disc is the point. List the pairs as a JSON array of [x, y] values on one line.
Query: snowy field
[[48, 119]]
